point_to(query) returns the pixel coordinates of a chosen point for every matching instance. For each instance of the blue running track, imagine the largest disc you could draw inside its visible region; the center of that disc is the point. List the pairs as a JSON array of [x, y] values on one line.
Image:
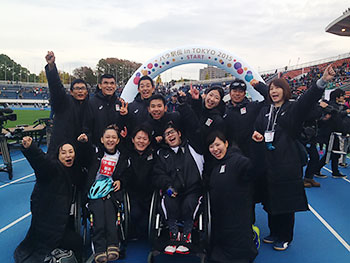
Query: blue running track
[[322, 235]]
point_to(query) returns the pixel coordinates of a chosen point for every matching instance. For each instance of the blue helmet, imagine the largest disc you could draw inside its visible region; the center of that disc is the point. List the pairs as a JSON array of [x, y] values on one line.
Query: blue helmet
[[101, 188]]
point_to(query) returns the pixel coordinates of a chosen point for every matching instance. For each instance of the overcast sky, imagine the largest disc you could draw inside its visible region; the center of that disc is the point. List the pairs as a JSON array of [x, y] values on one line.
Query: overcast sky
[[267, 34]]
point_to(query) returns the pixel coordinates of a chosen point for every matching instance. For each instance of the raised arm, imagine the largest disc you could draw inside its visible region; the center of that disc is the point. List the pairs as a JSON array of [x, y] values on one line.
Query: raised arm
[[190, 122], [307, 101], [37, 159], [58, 95], [260, 87]]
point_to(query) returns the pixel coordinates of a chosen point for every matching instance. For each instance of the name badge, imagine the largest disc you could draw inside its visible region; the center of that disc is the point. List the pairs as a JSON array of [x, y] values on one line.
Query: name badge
[[269, 135], [117, 107], [223, 168], [243, 110], [209, 122]]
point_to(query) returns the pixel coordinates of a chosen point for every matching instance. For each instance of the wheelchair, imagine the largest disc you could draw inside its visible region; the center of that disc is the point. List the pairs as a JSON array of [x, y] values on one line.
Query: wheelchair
[[158, 232], [84, 223]]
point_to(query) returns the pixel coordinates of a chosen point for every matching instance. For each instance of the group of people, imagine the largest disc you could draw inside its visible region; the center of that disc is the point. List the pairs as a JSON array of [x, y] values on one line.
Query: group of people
[[327, 122], [242, 153]]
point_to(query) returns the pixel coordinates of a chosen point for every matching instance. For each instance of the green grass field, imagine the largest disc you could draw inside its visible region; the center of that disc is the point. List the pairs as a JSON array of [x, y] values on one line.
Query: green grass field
[[27, 117]]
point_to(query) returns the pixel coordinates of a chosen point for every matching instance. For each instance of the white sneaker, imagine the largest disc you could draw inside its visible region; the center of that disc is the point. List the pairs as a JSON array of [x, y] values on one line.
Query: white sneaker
[[170, 250], [182, 250]]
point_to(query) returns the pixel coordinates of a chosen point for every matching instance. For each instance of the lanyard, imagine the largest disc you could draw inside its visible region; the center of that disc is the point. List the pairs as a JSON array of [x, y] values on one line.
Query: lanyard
[[270, 118]]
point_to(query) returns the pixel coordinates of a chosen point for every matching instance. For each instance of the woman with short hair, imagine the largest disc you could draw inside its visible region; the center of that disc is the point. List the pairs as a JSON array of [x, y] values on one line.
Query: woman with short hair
[[278, 126]]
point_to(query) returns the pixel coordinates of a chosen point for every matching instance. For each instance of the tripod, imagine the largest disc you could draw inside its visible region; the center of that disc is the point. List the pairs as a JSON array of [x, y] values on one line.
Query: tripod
[[5, 115], [5, 156]]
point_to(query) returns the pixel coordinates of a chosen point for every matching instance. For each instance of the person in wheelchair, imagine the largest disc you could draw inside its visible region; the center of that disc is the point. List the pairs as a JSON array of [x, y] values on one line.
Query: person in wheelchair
[[50, 204], [139, 181], [178, 174], [104, 182]]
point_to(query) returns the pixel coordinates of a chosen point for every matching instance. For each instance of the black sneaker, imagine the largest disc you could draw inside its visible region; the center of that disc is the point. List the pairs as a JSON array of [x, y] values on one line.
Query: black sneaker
[[281, 245], [269, 239], [319, 175], [338, 175]]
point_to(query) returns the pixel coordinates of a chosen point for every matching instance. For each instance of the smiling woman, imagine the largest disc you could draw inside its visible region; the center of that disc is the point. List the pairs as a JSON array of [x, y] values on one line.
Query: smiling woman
[[50, 204], [277, 127], [230, 183]]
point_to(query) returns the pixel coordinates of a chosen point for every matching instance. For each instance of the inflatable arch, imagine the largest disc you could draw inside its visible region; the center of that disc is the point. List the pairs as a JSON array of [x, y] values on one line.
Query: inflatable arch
[[193, 54]]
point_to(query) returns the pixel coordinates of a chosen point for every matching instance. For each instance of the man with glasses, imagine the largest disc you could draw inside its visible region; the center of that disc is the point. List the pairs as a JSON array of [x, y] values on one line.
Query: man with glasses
[[241, 114], [105, 108], [178, 173], [69, 109]]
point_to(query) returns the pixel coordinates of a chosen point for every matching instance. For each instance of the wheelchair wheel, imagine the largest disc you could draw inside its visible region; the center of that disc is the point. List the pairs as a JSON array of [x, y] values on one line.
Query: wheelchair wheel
[[85, 224], [126, 216], [203, 258], [207, 218], [77, 212], [150, 258], [154, 217]]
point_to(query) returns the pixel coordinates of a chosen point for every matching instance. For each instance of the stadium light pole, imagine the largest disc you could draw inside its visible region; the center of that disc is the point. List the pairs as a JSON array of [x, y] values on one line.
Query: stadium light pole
[[13, 71]]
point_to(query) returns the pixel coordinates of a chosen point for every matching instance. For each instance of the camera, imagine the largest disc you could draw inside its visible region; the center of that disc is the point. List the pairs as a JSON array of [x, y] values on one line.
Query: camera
[[6, 114]]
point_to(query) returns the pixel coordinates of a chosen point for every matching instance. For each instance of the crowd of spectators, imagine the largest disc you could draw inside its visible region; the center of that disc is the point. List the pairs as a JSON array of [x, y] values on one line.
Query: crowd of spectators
[[301, 79], [8, 91]]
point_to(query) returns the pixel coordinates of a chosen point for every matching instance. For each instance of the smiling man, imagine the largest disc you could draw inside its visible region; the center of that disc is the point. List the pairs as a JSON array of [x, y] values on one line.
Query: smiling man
[[241, 114], [137, 111], [69, 109], [178, 173], [159, 116], [104, 110]]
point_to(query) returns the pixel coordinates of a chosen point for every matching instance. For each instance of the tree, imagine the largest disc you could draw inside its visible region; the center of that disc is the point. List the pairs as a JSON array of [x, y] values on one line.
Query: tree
[[65, 77], [120, 68], [42, 77], [11, 71], [85, 73]]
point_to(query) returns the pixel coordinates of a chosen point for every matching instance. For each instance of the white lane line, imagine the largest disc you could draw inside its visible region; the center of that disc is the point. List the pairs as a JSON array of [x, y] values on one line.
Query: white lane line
[[15, 181], [15, 222], [345, 179], [340, 239], [15, 161]]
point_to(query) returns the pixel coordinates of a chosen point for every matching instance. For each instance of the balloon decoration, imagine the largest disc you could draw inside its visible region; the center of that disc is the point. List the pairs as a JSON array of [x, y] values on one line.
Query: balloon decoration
[[193, 54]]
